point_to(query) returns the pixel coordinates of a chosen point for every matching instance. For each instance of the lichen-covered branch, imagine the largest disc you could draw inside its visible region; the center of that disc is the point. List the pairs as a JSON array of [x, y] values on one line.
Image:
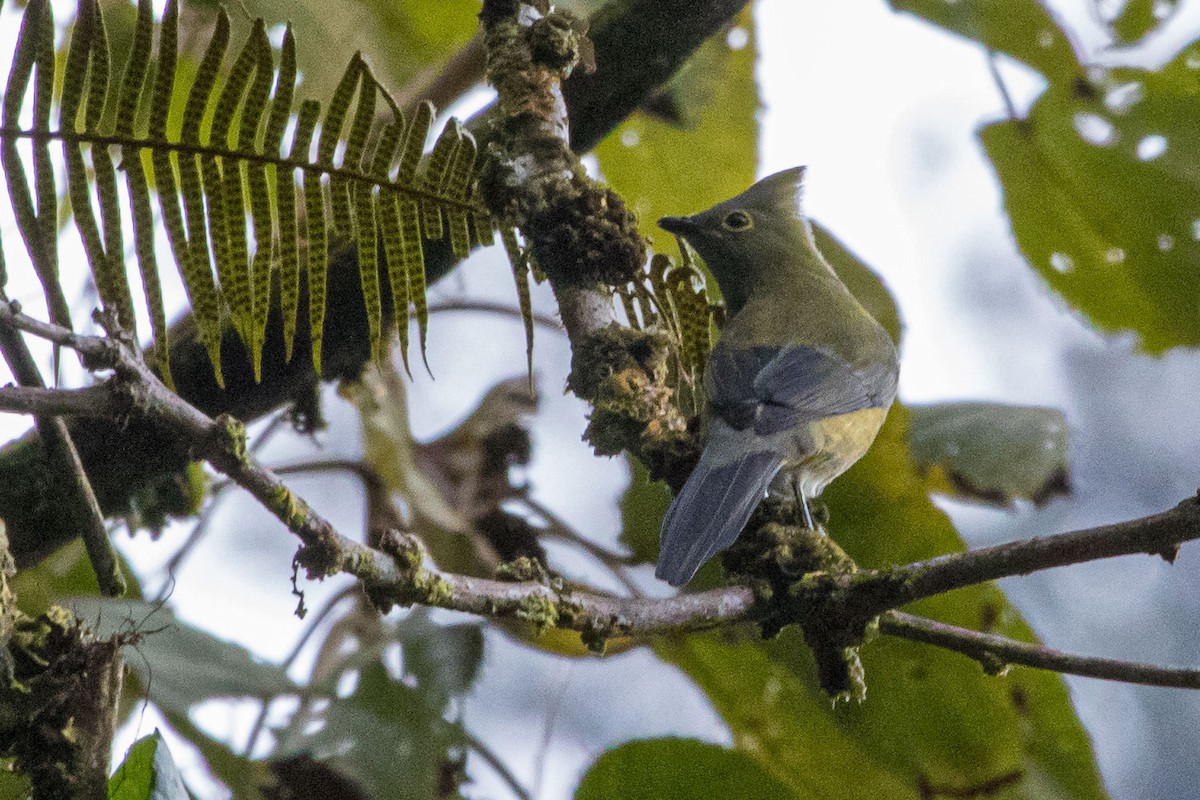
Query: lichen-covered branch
[[580, 234], [399, 572]]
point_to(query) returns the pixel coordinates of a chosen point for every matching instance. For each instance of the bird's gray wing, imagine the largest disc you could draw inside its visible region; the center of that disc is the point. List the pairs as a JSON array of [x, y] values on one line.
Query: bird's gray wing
[[754, 393], [775, 388], [710, 511]]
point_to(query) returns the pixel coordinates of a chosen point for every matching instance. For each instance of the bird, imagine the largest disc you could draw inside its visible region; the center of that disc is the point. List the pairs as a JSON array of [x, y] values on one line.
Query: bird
[[798, 384]]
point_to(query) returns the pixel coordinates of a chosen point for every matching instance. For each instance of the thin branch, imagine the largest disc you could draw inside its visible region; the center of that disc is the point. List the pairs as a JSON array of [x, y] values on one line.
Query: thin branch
[[1158, 534], [326, 551], [998, 79], [493, 760], [81, 506], [90, 401], [996, 652], [545, 320]]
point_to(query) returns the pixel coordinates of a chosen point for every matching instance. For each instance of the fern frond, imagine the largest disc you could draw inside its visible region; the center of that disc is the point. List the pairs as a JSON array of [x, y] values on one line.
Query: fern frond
[[132, 88], [255, 178], [689, 301], [35, 46], [519, 260], [224, 178], [306, 123]]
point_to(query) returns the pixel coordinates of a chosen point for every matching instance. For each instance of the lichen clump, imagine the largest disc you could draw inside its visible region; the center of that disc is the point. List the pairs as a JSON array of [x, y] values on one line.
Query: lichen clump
[[622, 372], [586, 234]]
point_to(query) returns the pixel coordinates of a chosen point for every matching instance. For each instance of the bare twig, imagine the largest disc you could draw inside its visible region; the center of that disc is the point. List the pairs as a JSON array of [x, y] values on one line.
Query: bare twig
[[483, 751], [545, 320], [994, 70], [81, 504], [996, 652], [90, 401], [1158, 534]]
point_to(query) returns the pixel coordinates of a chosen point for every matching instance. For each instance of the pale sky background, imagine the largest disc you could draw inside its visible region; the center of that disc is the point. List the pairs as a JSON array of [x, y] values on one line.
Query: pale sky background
[[883, 109]]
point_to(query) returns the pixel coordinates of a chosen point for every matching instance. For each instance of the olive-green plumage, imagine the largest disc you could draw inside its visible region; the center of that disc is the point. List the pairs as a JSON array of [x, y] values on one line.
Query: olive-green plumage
[[799, 383]]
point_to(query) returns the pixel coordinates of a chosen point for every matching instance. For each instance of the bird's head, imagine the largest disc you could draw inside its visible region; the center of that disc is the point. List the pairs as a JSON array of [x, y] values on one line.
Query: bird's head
[[761, 230]]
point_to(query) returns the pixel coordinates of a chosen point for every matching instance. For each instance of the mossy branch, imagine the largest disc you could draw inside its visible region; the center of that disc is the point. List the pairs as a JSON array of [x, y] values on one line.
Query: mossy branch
[[398, 571]]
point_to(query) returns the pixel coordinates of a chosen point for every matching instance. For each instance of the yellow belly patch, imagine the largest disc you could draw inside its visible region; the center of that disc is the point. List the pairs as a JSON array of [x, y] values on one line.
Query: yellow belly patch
[[837, 442]]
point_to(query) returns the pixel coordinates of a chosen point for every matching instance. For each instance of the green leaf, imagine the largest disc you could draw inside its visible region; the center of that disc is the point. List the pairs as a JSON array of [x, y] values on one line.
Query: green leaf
[[992, 452], [931, 718], [181, 665], [148, 773], [679, 769], [662, 170], [862, 281], [402, 42], [1139, 17], [1100, 179], [67, 572], [642, 509], [1104, 203], [244, 778], [386, 736], [443, 659], [1023, 29]]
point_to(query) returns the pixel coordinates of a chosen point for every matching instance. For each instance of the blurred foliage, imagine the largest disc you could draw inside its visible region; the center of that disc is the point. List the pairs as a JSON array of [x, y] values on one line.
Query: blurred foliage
[[931, 718], [66, 573], [388, 733], [1139, 17], [1023, 29], [992, 452], [402, 40], [862, 281], [679, 769], [182, 666], [147, 773], [1100, 179]]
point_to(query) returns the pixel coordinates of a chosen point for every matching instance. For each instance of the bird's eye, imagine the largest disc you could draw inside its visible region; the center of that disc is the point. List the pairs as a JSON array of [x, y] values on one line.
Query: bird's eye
[[737, 221]]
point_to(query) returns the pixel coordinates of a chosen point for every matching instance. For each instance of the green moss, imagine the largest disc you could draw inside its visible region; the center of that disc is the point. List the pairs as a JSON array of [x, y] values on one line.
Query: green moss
[[233, 432], [436, 589], [539, 610], [522, 569]]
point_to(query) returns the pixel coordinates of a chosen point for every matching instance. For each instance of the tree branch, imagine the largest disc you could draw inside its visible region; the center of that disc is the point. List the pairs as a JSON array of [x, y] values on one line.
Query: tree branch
[[81, 510], [399, 572], [1159, 534], [995, 653], [90, 401]]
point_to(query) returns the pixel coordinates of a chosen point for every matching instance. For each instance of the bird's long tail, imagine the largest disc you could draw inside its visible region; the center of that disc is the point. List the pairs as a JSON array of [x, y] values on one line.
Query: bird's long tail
[[711, 510]]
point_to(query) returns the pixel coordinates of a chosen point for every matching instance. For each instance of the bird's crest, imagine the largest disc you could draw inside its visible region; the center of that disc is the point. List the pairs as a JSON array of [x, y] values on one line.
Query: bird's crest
[[784, 189]]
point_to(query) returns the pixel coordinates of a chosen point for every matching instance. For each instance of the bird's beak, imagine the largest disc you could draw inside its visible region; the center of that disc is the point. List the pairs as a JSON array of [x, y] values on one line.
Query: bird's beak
[[680, 226]]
